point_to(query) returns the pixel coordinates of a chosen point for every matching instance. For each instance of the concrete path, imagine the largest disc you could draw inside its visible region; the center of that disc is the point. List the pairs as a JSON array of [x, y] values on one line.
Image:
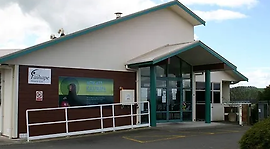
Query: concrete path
[[165, 136]]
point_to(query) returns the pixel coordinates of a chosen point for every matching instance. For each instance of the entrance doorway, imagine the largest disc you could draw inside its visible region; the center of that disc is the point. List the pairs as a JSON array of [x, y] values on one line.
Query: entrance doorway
[[169, 101], [173, 90]]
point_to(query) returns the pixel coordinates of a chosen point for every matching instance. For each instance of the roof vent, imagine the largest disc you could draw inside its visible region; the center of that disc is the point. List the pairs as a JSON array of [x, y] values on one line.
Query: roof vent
[[118, 15], [61, 32]]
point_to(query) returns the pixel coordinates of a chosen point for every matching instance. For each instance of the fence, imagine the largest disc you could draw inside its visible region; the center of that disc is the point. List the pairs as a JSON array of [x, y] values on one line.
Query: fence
[[67, 121]]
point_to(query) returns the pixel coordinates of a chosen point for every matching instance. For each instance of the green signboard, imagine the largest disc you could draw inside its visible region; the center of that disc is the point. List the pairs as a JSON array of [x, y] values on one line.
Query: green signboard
[[76, 91]]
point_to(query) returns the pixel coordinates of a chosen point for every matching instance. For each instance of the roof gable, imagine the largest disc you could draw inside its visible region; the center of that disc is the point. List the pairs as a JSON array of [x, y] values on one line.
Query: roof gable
[[167, 51], [175, 5]]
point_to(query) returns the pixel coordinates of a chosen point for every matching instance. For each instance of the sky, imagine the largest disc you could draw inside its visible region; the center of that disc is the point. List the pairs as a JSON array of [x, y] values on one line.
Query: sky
[[237, 29]]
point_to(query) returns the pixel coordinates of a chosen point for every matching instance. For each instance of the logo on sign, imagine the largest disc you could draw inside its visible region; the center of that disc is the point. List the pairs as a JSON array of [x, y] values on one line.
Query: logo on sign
[[39, 76]]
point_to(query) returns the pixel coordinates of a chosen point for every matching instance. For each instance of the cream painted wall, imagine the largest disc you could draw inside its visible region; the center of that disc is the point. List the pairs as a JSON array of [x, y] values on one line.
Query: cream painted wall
[[225, 91], [111, 47]]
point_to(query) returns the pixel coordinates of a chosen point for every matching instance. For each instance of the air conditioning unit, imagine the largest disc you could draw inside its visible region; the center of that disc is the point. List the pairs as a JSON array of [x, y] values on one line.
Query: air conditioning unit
[[127, 97]]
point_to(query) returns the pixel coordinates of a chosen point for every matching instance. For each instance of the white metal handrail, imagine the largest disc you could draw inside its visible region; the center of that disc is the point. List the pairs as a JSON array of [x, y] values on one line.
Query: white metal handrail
[[101, 118]]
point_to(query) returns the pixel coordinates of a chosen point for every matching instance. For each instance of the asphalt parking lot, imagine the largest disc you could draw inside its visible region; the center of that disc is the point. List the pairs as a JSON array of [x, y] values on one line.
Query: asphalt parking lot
[[171, 136]]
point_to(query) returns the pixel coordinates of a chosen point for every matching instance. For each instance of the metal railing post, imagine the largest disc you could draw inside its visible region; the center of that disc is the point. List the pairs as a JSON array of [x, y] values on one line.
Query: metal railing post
[[66, 117], [27, 126], [113, 118], [101, 118], [240, 115], [131, 115]]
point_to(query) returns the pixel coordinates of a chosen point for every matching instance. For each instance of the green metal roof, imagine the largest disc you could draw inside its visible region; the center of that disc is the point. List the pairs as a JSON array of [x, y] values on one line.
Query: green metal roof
[[167, 51], [98, 27]]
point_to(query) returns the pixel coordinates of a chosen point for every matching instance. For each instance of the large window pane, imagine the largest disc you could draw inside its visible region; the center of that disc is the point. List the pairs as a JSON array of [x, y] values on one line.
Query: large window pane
[[161, 69], [145, 81], [186, 83], [175, 83], [145, 71], [186, 70], [174, 99], [145, 94], [187, 96], [161, 99], [174, 67], [161, 83]]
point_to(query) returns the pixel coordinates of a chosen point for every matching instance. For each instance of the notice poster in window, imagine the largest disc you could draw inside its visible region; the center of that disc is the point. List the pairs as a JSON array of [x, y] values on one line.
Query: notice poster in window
[[159, 92], [164, 97], [174, 94]]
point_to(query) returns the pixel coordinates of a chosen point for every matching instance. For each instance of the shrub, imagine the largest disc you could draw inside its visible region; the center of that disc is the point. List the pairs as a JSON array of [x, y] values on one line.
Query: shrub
[[257, 137]]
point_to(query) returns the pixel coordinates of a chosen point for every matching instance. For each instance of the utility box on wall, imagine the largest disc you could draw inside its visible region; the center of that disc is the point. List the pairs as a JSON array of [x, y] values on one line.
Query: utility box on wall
[[126, 96]]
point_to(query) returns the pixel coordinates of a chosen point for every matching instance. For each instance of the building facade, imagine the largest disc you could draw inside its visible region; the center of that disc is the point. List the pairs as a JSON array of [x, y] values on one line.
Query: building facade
[[152, 52]]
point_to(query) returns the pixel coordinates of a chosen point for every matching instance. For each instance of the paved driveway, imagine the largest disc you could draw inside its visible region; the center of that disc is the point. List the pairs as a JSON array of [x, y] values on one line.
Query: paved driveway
[[169, 137]]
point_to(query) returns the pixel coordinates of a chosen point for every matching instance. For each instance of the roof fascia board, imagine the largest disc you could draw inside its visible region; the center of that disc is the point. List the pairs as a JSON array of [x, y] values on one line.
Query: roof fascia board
[[190, 12], [179, 51], [148, 63], [240, 75], [157, 60]]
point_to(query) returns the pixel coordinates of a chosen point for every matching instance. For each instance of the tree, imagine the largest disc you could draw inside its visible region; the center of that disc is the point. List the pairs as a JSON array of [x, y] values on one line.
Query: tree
[[266, 94], [245, 93]]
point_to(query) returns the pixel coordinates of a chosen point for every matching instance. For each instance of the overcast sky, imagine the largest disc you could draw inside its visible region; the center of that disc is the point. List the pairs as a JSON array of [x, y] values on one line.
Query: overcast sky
[[230, 26]]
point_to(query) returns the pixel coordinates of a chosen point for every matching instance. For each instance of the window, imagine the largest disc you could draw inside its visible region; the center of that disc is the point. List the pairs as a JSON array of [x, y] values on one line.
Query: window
[[145, 81], [200, 96], [186, 83], [215, 92], [145, 71], [161, 83], [216, 86], [174, 67], [175, 84], [200, 86], [186, 70], [161, 69], [216, 96]]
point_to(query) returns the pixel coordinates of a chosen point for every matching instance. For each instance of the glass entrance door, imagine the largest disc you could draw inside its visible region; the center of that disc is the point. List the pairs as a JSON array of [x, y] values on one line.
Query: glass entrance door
[[169, 100], [173, 89], [174, 101]]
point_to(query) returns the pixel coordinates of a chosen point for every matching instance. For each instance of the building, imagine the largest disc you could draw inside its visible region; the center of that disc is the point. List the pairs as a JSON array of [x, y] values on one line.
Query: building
[[152, 52]]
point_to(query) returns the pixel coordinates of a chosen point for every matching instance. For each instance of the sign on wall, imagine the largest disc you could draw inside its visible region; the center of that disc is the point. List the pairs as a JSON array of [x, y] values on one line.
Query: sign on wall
[[39, 76], [75, 91], [39, 95]]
